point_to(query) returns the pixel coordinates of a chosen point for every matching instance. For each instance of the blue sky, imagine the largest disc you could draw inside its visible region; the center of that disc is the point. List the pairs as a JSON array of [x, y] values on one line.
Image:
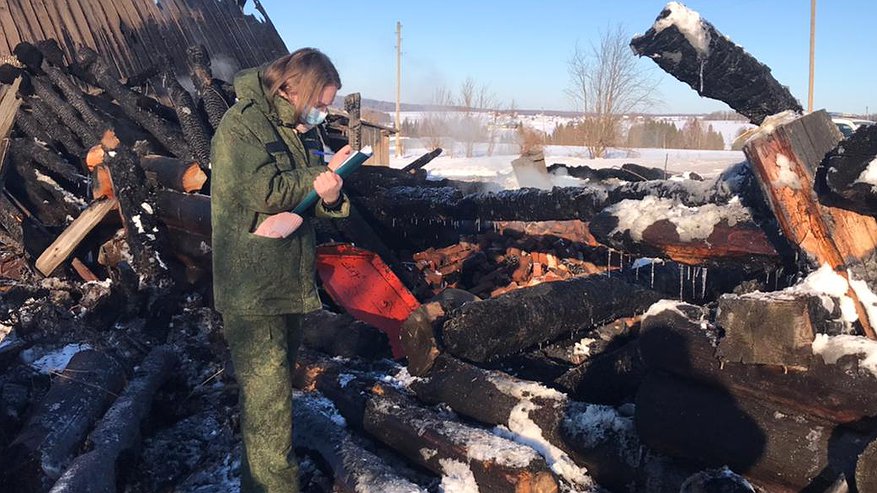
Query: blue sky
[[521, 49]]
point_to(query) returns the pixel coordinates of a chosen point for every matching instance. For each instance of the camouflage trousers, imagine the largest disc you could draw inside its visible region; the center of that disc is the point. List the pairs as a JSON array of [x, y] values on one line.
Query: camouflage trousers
[[263, 351]]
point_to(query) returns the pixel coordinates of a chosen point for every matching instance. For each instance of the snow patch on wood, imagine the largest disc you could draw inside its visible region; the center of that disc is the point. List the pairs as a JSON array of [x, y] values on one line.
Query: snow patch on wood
[[869, 175], [689, 23], [457, 477], [786, 177], [692, 223], [833, 348]]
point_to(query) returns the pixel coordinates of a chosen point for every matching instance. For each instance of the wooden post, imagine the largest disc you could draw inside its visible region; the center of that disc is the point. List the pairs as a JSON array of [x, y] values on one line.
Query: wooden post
[[353, 105], [398, 89]]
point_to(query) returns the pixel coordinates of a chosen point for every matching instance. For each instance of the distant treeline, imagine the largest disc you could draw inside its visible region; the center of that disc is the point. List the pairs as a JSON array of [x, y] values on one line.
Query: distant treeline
[[648, 134]]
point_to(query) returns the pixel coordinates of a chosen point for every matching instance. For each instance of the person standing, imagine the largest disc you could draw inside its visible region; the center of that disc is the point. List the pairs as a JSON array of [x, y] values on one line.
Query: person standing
[[264, 161]]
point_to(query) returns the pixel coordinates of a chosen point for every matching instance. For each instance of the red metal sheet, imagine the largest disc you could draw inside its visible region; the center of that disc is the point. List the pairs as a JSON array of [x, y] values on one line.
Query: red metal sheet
[[364, 285]]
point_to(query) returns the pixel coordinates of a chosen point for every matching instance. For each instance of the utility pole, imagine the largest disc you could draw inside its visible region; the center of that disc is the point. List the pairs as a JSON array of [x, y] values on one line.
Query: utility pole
[[812, 54], [398, 87]]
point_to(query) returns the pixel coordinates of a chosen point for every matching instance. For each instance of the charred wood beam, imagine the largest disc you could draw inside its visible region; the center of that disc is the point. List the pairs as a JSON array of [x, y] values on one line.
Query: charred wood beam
[[173, 174], [45, 90], [845, 176], [49, 161], [712, 64], [708, 234], [674, 340], [216, 100], [195, 131], [61, 421], [28, 125], [422, 160], [165, 132], [607, 446], [515, 321], [612, 377], [117, 435], [51, 203], [55, 128]]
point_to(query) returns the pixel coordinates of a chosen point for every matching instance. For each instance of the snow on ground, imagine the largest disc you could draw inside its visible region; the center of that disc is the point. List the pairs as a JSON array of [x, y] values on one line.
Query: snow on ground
[[53, 361], [498, 168]]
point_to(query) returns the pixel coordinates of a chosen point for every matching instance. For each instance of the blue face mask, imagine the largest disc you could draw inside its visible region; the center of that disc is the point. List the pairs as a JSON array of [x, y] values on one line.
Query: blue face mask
[[315, 117]]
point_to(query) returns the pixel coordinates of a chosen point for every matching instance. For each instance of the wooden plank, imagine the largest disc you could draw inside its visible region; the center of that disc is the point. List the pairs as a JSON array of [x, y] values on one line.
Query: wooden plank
[[51, 28], [80, 23], [9, 26], [21, 20], [845, 240], [37, 32], [64, 245], [9, 104]]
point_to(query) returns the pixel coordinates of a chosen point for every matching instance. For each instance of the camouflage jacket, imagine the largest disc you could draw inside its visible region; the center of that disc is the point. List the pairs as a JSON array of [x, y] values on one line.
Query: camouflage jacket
[[260, 166]]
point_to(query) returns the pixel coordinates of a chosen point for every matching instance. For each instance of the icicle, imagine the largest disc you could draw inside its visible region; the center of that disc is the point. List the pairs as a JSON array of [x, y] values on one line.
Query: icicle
[[694, 281], [703, 284], [609, 262], [681, 283], [652, 284], [636, 273]]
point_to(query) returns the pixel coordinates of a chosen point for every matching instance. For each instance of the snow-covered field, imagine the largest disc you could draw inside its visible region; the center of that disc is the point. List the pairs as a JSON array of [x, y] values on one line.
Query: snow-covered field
[[498, 169]]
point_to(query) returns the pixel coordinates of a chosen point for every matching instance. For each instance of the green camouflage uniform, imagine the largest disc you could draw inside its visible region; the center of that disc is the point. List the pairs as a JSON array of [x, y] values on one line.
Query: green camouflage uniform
[[262, 285]]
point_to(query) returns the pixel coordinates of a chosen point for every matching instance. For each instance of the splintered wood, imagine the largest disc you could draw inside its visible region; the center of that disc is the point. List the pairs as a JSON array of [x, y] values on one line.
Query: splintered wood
[[784, 157]]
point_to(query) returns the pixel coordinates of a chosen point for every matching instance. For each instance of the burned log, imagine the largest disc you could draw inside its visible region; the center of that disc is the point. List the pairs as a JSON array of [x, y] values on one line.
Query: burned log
[[780, 449], [675, 338], [61, 421], [184, 211], [65, 112], [419, 331], [433, 441], [166, 133], [422, 161], [117, 434], [195, 130], [216, 101], [785, 161], [523, 318], [54, 127], [847, 176], [689, 48], [173, 174], [51, 203], [709, 234], [319, 427], [49, 160], [569, 434]]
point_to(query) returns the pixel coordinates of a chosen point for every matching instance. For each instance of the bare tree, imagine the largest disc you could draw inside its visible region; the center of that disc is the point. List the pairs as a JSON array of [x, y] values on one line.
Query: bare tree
[[474, 99], [607, 82], [435, 122]]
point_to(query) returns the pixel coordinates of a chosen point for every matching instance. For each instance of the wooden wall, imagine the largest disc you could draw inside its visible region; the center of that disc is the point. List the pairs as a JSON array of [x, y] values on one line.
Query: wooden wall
[[132, 32]]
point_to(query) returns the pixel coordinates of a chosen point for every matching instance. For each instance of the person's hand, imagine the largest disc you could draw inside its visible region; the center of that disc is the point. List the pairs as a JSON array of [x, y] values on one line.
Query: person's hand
[[340, 157], [328, 186]]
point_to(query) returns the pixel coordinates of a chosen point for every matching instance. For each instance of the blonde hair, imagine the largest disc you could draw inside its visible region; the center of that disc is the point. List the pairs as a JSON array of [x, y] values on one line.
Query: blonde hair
[[305, 72]]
